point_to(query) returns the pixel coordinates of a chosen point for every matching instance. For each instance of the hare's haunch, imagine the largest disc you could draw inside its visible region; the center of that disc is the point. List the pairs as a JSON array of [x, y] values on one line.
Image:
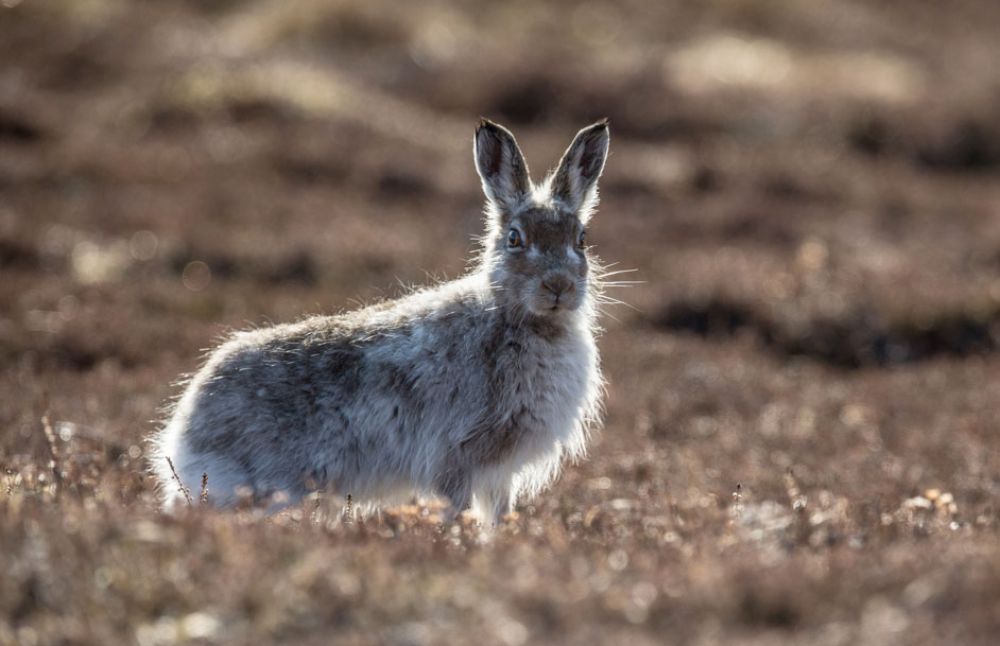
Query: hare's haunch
[[476, 390]]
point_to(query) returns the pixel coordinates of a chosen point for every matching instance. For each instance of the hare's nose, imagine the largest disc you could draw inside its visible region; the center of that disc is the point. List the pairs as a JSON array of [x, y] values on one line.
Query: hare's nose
[[558, 285]]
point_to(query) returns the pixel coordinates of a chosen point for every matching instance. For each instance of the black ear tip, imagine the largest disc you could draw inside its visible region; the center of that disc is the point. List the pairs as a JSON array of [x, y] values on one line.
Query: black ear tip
[[486, 124], [598, 128]]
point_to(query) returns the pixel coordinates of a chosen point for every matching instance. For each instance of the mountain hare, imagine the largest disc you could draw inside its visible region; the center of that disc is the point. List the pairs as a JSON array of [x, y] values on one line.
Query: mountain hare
[[475, 389]]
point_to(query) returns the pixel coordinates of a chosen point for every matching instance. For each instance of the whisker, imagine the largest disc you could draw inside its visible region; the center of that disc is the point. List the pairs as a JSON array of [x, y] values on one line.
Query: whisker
[[607, 300], [617, 272], [606, 287]]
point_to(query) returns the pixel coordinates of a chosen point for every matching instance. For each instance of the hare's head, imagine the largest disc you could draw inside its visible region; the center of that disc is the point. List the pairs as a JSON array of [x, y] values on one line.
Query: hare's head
[[535, 246]]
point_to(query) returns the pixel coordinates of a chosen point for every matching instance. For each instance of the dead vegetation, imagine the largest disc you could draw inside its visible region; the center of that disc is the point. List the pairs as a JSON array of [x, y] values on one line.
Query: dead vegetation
[[801, 440]]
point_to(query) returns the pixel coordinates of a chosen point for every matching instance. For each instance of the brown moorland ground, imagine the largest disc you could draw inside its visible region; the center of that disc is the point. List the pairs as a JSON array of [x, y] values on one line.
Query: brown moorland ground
[[802, 419]]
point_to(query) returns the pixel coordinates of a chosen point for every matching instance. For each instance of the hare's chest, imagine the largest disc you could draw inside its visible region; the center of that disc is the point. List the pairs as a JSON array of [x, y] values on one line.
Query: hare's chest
[[552, 389]]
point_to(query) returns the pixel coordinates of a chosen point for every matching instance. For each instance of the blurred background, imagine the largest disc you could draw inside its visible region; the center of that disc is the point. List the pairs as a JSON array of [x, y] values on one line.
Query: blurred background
[[823, 174], [819, 174], [808, 189]]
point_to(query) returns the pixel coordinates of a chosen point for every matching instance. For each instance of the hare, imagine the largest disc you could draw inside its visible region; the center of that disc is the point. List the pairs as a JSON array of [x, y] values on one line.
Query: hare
[[476, 390]]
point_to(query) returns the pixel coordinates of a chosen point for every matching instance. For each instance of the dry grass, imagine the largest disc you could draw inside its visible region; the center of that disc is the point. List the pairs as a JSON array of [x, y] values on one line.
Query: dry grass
[[801, 440]]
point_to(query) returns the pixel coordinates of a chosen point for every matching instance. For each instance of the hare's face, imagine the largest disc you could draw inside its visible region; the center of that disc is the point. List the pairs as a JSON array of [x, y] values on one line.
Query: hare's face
[[536, 248], [541, 261]]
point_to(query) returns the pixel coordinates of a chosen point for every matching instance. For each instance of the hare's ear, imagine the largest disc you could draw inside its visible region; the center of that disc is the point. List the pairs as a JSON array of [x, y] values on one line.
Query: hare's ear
[[500, 165], [575, 180]]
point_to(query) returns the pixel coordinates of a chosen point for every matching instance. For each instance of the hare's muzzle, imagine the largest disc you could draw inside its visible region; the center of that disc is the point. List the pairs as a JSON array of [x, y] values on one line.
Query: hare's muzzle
[[558, 291]]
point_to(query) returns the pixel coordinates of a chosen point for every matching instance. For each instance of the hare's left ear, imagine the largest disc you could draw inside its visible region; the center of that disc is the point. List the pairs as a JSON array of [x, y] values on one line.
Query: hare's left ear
[[575, 180], [501, 166]]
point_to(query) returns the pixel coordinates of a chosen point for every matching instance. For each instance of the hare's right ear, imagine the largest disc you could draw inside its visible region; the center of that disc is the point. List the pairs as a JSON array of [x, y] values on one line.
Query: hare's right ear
[[501, 165]]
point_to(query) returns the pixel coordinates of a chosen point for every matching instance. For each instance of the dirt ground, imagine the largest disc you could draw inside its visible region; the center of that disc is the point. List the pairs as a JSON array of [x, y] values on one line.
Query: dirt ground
[[802, 440]]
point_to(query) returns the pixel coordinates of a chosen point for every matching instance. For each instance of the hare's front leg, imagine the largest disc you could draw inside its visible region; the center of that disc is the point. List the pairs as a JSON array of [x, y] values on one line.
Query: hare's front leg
[[493, 501], [484, 456]]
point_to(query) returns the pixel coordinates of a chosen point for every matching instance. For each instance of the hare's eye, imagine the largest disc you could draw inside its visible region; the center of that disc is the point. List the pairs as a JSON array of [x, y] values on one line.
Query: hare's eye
[[514, 239], [582, 240]]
